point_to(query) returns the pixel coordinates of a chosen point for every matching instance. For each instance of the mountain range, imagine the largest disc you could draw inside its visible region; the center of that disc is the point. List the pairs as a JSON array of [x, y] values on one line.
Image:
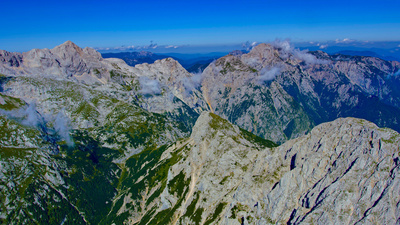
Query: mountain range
[[191, 62], [272, 136]]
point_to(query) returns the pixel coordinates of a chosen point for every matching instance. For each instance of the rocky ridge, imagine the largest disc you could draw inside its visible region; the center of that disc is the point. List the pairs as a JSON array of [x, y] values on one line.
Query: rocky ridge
[[83, 137], [274, 91], [343, 172], [279, 92]]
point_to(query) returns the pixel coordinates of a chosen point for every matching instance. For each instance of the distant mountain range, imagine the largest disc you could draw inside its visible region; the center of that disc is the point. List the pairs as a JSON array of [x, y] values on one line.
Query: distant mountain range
[[368, 53], [272, 136], [191, 62]]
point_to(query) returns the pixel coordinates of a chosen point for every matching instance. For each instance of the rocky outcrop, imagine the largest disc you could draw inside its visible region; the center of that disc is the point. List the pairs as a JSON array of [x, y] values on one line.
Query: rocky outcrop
[[66, 61], [164, 87], [342, 172], [278, 92]]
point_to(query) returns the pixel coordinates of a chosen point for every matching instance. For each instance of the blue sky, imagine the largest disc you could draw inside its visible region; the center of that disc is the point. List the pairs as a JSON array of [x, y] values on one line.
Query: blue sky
[[45, 24]]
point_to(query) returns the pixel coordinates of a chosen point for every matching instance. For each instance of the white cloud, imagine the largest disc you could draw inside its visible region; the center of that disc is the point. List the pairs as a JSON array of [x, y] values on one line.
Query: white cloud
[[149, 87], [192, 83], [62, 127], [30, 117], [308, 58], [171, 46], [267, 74], [344, 41], [26, 116], [248, 46], [287, 50], [323, 46]]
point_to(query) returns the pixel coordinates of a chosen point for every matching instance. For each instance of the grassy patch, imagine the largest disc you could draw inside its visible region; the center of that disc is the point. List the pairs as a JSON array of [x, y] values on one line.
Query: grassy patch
[[258, 140], [238, 208], [11, 102], [216, 213], [178, 184]]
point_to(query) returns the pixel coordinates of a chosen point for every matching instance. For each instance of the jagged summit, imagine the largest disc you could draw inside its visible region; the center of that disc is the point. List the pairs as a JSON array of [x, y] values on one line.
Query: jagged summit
[[70, 49], [68, 44], [279, 92], [63, 61]]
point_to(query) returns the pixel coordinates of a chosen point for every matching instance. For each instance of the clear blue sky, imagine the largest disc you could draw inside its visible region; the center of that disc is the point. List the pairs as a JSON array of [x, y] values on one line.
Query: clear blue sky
[[45, 24]]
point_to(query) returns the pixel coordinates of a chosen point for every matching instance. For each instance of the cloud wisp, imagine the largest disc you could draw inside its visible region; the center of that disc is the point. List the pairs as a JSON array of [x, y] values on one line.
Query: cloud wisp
[[192, 83], [26, 116], [149, 86], [30, 117], [249, 45], [62, 127], [286, 50], [267, 74]]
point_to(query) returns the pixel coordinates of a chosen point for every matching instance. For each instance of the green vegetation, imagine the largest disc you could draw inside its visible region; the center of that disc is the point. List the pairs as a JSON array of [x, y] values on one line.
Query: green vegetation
[[216, 213], [253, 70], [96, 71], [258, 140], [222, 182], [238, 208], [217, 123], [392, 139], [13, 134], [114, 74], [11, 102], [92, 184], [227, 68], [147, 165], [178, 184], [116, 66], [196, 217]]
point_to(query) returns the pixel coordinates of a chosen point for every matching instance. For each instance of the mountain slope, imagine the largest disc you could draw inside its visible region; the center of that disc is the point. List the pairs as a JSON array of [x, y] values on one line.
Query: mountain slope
[[219, 175], [86, 140], [279, 92]]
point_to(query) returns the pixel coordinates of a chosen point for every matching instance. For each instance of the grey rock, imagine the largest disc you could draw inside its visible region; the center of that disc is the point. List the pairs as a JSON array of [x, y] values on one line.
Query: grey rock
[[342, 172]]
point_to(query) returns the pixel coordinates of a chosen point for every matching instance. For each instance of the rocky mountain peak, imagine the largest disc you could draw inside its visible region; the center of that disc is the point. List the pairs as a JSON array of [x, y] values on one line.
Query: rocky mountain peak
[[169, 62], [68, 44], [168, 69], [263, 49], [204, 125], [70, 49], [10, 58], [67, 49]]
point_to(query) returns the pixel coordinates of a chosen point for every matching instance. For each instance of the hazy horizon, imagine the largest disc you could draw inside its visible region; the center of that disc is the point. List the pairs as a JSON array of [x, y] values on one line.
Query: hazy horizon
[[101, 24]]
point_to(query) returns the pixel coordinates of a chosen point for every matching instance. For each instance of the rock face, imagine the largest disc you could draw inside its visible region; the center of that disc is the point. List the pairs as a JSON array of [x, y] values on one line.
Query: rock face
[[343, 172], [86, 140], [274, 91], [279, 93]]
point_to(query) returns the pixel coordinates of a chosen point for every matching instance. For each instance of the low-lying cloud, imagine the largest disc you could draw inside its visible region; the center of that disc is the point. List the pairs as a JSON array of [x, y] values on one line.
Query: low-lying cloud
[[192, 83], [345, 41], [62, 127], [267, 74], [149, 87], [286, 50], [249, 45], [26, 116], [30, 117]]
